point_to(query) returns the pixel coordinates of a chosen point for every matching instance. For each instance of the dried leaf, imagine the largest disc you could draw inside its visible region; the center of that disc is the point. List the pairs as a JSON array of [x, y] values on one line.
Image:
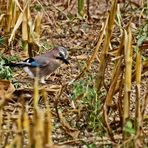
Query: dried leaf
[[6, 89]]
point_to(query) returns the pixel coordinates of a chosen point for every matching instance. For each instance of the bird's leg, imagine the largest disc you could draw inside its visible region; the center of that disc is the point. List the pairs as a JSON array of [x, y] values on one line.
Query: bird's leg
[[43, 80]]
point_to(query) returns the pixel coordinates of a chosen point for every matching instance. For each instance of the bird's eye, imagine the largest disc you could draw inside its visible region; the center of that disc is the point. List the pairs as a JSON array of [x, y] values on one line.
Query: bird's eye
[[62, 54]]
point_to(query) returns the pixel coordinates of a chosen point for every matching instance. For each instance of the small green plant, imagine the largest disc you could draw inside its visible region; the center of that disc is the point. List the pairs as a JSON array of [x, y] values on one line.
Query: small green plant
[[90, 145], [5, 71], [1, 41], [86, 93], [129, 128]]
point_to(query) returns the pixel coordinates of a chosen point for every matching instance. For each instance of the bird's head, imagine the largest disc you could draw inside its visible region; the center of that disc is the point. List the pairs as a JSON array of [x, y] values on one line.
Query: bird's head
[[62, 54]]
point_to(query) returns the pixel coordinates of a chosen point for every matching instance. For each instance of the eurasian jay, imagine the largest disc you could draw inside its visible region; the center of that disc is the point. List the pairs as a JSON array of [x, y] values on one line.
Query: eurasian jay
[[46, 63]]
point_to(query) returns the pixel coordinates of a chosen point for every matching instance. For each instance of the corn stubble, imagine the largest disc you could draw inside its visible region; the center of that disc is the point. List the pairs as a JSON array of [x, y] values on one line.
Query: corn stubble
[[127, 73], [16, 21], [31, 130], [124, 74], [37, 129]]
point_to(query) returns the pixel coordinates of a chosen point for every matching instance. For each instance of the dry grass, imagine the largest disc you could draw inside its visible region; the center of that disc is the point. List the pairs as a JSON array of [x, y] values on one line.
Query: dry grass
[[101, 99]]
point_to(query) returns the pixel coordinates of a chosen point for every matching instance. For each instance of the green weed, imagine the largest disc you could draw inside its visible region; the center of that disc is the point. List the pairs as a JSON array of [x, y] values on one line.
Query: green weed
[[84, 91], [5, 71]]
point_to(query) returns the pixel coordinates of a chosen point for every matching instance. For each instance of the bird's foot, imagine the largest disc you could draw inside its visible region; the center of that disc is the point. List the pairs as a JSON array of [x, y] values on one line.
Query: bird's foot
[[43, 80]]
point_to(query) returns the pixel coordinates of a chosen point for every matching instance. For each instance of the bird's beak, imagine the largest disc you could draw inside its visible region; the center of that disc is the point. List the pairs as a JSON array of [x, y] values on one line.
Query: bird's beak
[[66, 61], [63, 59]]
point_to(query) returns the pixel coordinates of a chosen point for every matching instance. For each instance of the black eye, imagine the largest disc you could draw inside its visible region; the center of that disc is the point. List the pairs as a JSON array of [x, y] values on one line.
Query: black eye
[[62, 55]]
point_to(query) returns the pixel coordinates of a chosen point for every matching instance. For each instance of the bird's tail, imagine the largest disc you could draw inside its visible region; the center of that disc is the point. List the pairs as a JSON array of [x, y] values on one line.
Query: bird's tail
[[19, 64]]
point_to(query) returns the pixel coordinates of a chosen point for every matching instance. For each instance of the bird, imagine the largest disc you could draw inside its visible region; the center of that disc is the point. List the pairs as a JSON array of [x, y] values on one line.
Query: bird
[[46, 63]]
